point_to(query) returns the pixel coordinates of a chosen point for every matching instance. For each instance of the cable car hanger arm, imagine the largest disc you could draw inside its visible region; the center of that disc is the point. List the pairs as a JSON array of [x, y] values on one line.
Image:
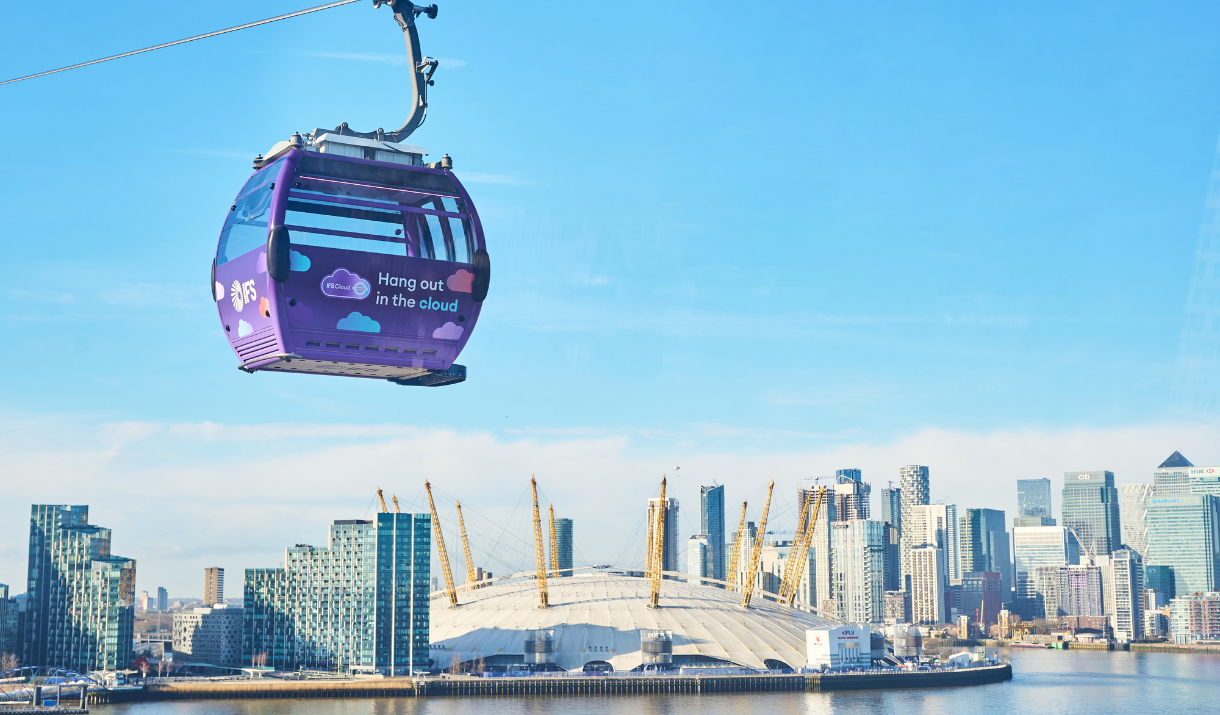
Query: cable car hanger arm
[[422, 69]]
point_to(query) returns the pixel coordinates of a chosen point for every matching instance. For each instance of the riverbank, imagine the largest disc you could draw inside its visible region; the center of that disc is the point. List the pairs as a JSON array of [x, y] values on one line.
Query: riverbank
[[589, 685]]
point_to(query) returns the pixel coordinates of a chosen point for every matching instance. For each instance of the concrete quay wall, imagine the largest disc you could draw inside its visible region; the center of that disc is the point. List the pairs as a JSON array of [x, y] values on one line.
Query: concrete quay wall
[[633, 685]]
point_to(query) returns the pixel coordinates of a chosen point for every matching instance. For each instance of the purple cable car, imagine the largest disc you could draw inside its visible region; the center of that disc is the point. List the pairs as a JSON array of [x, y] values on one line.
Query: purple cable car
[[345, 254]]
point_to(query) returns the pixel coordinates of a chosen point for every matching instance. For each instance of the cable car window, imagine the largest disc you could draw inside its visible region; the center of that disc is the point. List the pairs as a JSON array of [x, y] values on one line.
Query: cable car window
[[246, 225], [346, 227]]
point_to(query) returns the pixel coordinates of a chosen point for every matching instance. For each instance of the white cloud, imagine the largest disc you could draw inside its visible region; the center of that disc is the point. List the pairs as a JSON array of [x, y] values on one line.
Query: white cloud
[[183, 496]]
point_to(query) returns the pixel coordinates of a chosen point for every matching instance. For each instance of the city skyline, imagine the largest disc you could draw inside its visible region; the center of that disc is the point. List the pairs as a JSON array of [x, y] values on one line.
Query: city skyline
[[600, 348], [782, 521]]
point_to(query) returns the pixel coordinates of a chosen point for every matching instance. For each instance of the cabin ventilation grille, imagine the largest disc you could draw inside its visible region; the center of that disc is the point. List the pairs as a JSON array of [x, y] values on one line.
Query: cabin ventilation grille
[[257, 346]]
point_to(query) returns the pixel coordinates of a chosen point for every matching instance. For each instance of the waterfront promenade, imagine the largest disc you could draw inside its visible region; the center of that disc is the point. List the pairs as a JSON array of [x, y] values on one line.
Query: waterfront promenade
[[267, 688]]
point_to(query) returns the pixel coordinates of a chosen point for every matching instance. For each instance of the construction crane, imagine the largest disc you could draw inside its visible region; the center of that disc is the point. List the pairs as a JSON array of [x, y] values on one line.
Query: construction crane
[[465, 546], [394, 498], [658, 551], [554, 545], [741, 526], [539, 557], [384, 510], [440, 547], [752, 574], [800, 549]]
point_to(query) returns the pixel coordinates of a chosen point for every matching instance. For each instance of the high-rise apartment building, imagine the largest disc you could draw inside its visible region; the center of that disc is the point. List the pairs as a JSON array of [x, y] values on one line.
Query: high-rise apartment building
[[1079, 591], [1034, 497], [851, 495], [1035, 547], [699, 556], [1172, 478], [711, 522], [80, 609], [1122, 575], [362, 600], [914, 483], [927, 584], [1184, 540], [937, 524], [1195, 617], [563, 546], [162, 599], [984, 546], [213, 586], [1133, 500], [859, 563], [893, 557], [891, 507], [669, 550], [1090, 508]]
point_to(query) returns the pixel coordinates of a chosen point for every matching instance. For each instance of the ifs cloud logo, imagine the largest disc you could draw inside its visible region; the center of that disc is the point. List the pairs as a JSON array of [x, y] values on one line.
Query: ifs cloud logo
[[342, 283]]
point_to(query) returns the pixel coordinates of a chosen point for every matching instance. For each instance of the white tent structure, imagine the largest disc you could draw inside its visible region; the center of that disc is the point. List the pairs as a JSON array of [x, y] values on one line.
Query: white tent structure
[[599, 617]]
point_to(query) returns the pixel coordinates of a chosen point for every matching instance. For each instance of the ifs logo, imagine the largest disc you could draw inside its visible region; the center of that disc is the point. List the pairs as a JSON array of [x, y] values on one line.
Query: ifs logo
[[242, 294]]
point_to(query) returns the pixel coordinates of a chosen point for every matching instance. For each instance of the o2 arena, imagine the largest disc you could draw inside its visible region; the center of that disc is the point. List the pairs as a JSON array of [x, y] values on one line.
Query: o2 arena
[[601, 619]]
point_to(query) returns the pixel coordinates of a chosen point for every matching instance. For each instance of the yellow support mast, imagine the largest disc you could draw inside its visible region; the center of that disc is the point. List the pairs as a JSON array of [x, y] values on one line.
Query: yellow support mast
[[554, 545], [790, 563], [440, 549], [652, 522], [470, 579], [394, 498], [752, 574], [383, 509], [789, 596], [539, 556], [741, 526], [658, 550]]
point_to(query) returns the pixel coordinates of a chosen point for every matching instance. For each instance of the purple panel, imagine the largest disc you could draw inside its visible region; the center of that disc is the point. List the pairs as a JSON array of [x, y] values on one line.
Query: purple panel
[[408, 303]]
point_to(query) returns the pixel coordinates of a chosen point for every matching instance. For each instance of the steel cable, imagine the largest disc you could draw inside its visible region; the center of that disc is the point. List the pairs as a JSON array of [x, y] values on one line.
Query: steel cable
[[179, 42]]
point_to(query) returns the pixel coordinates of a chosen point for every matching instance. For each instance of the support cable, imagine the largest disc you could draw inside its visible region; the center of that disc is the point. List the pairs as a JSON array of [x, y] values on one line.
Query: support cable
[[298, 13]]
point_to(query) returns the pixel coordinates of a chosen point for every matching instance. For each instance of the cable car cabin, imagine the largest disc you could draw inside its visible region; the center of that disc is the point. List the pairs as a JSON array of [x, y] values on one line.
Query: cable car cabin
[[348, 256]]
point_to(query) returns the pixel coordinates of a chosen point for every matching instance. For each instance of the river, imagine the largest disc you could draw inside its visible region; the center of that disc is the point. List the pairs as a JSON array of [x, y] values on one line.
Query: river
[[1045, 681]]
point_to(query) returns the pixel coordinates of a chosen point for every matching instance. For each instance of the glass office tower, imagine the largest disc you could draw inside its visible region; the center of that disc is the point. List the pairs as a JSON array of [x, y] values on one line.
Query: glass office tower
[[1184, 541], [1034, 497], [360, 601], [1091, 508]]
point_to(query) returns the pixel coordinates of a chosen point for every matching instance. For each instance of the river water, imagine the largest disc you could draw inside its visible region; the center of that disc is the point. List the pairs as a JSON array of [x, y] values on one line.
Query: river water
[[1045, 681]]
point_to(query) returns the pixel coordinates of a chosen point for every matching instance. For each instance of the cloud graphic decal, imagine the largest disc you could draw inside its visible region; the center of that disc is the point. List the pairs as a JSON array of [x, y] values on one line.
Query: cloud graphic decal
[[462, 281], [298, 261], [299, 313], [448, 331], [243, 329], [264, 307], [260, 266], [342, 283], [361, 323], [220, 291]]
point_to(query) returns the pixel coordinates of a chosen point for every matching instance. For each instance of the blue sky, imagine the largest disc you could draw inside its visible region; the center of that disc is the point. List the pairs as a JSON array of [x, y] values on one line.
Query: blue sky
[[773, 241]]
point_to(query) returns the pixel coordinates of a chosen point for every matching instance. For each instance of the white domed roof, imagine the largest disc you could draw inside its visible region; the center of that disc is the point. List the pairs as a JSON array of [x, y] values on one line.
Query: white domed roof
[[599, 616]]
